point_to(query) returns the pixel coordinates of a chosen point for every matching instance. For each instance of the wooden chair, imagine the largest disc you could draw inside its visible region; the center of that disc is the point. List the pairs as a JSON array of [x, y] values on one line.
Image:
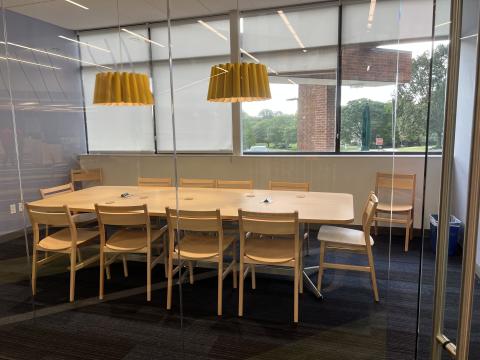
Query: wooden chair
[[201, 238], [84, 176], [280, 248], [337, 238], [144, 181], [198, 183], [136, 237], [293, 186], [56, 190], [63, 242], [400, 188], [80, 219], [235, 184]]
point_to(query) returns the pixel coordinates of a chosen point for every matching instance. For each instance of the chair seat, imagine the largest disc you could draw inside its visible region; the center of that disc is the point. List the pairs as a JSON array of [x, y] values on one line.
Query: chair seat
[[387, 207], [84, 218], [131, 239], [195, 246], [339, 235], [61, 240], [276, 250]]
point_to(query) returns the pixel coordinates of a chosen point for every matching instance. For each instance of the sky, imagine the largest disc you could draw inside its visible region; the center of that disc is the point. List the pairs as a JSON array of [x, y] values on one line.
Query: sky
[[284, 95]]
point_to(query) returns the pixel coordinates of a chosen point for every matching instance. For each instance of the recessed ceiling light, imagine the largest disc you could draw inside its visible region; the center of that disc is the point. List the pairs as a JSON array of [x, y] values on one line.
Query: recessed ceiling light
[[291, 29], [29, 62], [142, 37], [77, 4], [83, 43]]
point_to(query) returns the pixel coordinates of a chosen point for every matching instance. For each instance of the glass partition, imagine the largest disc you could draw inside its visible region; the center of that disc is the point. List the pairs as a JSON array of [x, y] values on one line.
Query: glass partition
[[298, 226]]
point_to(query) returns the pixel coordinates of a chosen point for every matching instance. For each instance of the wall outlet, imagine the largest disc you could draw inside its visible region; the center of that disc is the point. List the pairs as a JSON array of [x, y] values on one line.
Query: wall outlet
[[13, 209], [20, 207]]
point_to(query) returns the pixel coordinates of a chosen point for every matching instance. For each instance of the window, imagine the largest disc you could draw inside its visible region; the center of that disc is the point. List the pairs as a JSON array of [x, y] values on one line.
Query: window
[[385, 77], [116, 129], [200, 126], [302, 70]]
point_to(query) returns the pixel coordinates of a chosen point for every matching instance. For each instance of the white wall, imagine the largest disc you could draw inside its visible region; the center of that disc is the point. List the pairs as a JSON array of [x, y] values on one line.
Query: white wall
[[349, 174]]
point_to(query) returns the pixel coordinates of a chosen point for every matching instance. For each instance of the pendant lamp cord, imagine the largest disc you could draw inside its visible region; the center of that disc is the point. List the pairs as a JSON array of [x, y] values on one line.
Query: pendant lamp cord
[[119, 35]]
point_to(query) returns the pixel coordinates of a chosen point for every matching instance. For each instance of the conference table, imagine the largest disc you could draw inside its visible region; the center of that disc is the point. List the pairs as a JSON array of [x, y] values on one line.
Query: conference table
[[313, 207]]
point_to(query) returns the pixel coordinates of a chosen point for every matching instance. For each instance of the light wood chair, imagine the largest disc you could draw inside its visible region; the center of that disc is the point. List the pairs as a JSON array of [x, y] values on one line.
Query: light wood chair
[[56, 190], [144, 181], [86, 176], [198, 183], [398, 193], [235, 184], [135, 237], [80, 219], [194, 236], [289, 186], [63, 242], [281, 247], [337, 238], [293, 186]]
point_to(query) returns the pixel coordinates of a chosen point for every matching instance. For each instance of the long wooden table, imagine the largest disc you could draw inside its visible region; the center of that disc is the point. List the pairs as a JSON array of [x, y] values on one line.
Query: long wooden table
[[312, 207]]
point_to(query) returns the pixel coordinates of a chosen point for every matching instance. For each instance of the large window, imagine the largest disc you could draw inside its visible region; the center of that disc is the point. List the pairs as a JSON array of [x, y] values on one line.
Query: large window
[[357, 83], [112, 128], [385, 77], [302, 68], [200, 126]]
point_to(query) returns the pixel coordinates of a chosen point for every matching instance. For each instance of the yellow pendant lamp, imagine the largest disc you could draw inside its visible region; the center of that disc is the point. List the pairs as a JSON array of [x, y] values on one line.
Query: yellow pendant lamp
[[122, 89], [238, 83]]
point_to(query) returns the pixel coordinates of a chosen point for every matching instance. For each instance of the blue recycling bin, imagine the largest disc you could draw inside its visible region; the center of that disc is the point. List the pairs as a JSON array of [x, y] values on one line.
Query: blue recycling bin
[[454, 240]]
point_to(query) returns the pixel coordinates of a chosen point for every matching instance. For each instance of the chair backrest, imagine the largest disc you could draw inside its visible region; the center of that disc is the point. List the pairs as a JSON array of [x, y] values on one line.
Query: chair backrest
[[201, 221], [235, 184], [56, 190], [58, 216], [198, 183], [135, 215], [396, 183], [369, 213], [144, 181], [87, 175], [268, 223], [289, 186]]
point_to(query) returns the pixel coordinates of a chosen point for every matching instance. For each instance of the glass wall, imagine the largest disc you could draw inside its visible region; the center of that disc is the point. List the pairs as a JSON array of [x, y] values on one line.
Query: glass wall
[[264, 239]]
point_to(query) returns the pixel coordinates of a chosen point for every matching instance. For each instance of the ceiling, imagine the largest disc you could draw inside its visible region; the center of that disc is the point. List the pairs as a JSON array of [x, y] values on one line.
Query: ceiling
[[103, 13]]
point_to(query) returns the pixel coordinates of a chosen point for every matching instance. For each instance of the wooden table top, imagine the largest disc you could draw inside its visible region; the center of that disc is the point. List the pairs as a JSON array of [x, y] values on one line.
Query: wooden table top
[[312, 207]]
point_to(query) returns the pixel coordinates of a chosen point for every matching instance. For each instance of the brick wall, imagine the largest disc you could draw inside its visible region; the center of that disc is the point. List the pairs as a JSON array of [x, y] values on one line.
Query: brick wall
[[316, 103], [316, 118]]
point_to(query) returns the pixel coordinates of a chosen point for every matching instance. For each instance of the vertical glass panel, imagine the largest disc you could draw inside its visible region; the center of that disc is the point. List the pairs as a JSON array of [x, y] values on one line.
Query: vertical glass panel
[[302, 65], [197, 45], [116, 128]]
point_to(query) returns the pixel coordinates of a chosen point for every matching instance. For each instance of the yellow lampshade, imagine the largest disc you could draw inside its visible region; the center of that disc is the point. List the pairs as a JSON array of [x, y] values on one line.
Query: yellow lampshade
[[238, 83], [122, 88]]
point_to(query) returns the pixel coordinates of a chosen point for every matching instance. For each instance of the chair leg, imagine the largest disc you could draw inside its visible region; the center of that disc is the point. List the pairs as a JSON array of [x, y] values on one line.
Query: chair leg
[[254, 278], [234, 269], [165, 255], [220, 287], [300, 285], [169, 282], [79, 255], [320, 266], [108, 272], [73, 262], [407, 237], [125, 266], [102, 275], [190, 270], [149, 276], [372, 274], [241, 281], [34, 272], [295, 293]]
